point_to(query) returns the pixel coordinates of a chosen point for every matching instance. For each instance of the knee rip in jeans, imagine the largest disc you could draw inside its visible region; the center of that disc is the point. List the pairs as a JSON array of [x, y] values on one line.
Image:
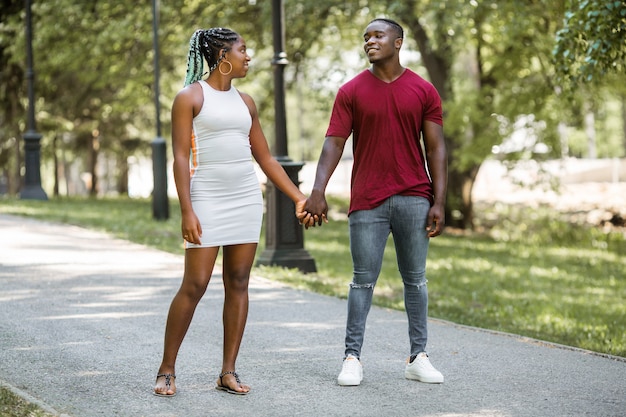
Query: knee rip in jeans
[[366, 285], [418, 285]]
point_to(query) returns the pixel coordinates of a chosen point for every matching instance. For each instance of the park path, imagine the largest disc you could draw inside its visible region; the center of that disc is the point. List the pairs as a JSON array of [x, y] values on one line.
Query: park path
[[81, 328]]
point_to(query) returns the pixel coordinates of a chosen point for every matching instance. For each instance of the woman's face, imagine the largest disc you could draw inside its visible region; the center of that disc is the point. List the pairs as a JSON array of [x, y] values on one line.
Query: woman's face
[[239, 58]]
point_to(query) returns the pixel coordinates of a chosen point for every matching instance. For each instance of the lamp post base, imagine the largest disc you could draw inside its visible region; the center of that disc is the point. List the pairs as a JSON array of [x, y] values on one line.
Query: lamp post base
[[283, 234], [33, 192], [288, 258]]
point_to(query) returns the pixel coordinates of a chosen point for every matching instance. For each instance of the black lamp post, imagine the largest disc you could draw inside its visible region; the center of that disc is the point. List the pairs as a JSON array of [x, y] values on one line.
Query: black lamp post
[[32, 179], [283, 236], [160, 202]]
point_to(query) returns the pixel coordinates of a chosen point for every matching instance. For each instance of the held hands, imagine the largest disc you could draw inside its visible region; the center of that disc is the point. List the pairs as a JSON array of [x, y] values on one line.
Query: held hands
[[307, 218], [316, 207]]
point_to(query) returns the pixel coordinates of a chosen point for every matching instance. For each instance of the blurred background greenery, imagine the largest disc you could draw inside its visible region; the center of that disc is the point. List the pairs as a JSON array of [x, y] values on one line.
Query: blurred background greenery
[[520, 80]]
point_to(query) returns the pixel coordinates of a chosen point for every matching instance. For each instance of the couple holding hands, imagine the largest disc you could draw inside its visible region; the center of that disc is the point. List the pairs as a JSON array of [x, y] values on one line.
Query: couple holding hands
[[398, 186]]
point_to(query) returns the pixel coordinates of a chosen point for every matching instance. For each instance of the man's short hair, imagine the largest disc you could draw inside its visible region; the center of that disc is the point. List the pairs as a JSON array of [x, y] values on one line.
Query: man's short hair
[[395, 25]]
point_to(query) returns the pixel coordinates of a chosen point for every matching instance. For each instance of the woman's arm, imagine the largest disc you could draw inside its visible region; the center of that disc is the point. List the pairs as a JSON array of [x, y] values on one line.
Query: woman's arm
[[184, 108], [270, 166]]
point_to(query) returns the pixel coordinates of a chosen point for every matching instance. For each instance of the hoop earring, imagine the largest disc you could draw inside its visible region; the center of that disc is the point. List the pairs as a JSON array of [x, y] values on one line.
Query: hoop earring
[[219, 67]]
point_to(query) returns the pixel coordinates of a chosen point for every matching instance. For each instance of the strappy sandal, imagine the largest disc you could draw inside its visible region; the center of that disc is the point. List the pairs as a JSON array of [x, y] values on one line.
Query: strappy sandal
[[223, 387], [168, 385]]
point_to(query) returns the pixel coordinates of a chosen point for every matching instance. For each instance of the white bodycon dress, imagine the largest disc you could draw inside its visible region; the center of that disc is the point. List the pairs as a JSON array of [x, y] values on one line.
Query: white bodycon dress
[[225, 191]]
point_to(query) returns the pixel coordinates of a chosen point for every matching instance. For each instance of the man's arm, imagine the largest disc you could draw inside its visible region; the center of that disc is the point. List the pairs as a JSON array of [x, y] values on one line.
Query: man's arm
[[330, 157], [437, 159]]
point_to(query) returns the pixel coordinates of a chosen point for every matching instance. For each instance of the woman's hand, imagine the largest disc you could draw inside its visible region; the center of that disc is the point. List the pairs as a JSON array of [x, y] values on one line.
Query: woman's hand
[[306, 218], [303, 217], [191, 228]]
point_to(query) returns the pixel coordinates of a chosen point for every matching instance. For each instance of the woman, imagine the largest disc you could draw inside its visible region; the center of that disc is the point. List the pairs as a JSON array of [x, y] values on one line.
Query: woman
[[215, 133]]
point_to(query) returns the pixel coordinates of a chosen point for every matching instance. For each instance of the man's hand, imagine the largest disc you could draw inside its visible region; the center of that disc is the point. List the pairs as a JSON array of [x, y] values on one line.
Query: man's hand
[[316, 205], [435, 221]]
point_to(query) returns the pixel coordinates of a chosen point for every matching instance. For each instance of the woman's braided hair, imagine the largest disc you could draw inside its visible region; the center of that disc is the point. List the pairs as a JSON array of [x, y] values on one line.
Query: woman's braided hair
[[207, 44]]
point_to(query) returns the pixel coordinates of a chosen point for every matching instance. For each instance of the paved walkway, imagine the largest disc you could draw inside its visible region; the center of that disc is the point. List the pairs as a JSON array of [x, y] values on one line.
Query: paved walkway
[[81, 332]]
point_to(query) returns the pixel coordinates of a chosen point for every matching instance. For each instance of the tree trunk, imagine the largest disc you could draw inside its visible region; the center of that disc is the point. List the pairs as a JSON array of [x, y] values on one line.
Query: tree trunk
[[460, 205], [55, 157], [16, 183], [95, 145], [122, 174], [624, 122], [13, 112]]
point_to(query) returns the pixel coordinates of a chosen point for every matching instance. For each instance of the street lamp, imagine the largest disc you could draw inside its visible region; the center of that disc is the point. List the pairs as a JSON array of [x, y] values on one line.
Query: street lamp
[[160, 202], [283, 234], [32, 179]]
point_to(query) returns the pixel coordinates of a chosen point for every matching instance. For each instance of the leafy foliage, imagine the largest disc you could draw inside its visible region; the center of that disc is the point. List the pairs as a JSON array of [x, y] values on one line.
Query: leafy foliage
[[492, 62], [592, 42]]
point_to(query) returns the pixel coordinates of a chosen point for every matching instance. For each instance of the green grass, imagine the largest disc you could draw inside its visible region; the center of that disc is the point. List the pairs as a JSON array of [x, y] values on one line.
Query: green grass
[[529, 272], [12, 405]]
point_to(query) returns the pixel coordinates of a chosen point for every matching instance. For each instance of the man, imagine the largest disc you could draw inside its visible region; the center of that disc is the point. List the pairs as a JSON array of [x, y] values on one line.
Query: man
[[396, 188]]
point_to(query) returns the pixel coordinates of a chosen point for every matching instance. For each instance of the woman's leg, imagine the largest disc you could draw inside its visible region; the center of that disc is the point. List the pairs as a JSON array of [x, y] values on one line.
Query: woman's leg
[[238, 261], [199, 263]]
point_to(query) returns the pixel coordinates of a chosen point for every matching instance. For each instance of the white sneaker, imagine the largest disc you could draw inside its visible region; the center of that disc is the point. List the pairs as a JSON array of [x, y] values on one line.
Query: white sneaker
[[351, 372], [422, 370]]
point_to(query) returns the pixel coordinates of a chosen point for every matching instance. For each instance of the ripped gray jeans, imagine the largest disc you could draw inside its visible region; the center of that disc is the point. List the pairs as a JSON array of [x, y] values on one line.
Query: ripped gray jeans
[[405, 218]]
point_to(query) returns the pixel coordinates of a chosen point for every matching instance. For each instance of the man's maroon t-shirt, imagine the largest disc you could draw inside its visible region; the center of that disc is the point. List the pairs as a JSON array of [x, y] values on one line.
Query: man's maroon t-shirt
[[385, 120]]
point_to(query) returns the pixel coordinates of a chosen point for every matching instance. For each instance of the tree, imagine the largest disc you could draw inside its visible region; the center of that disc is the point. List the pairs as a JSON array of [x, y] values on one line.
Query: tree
[[590, 52], [94, 78], [95, 75], [97, 84], [12, 88], [592, 41], [490, 61]]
